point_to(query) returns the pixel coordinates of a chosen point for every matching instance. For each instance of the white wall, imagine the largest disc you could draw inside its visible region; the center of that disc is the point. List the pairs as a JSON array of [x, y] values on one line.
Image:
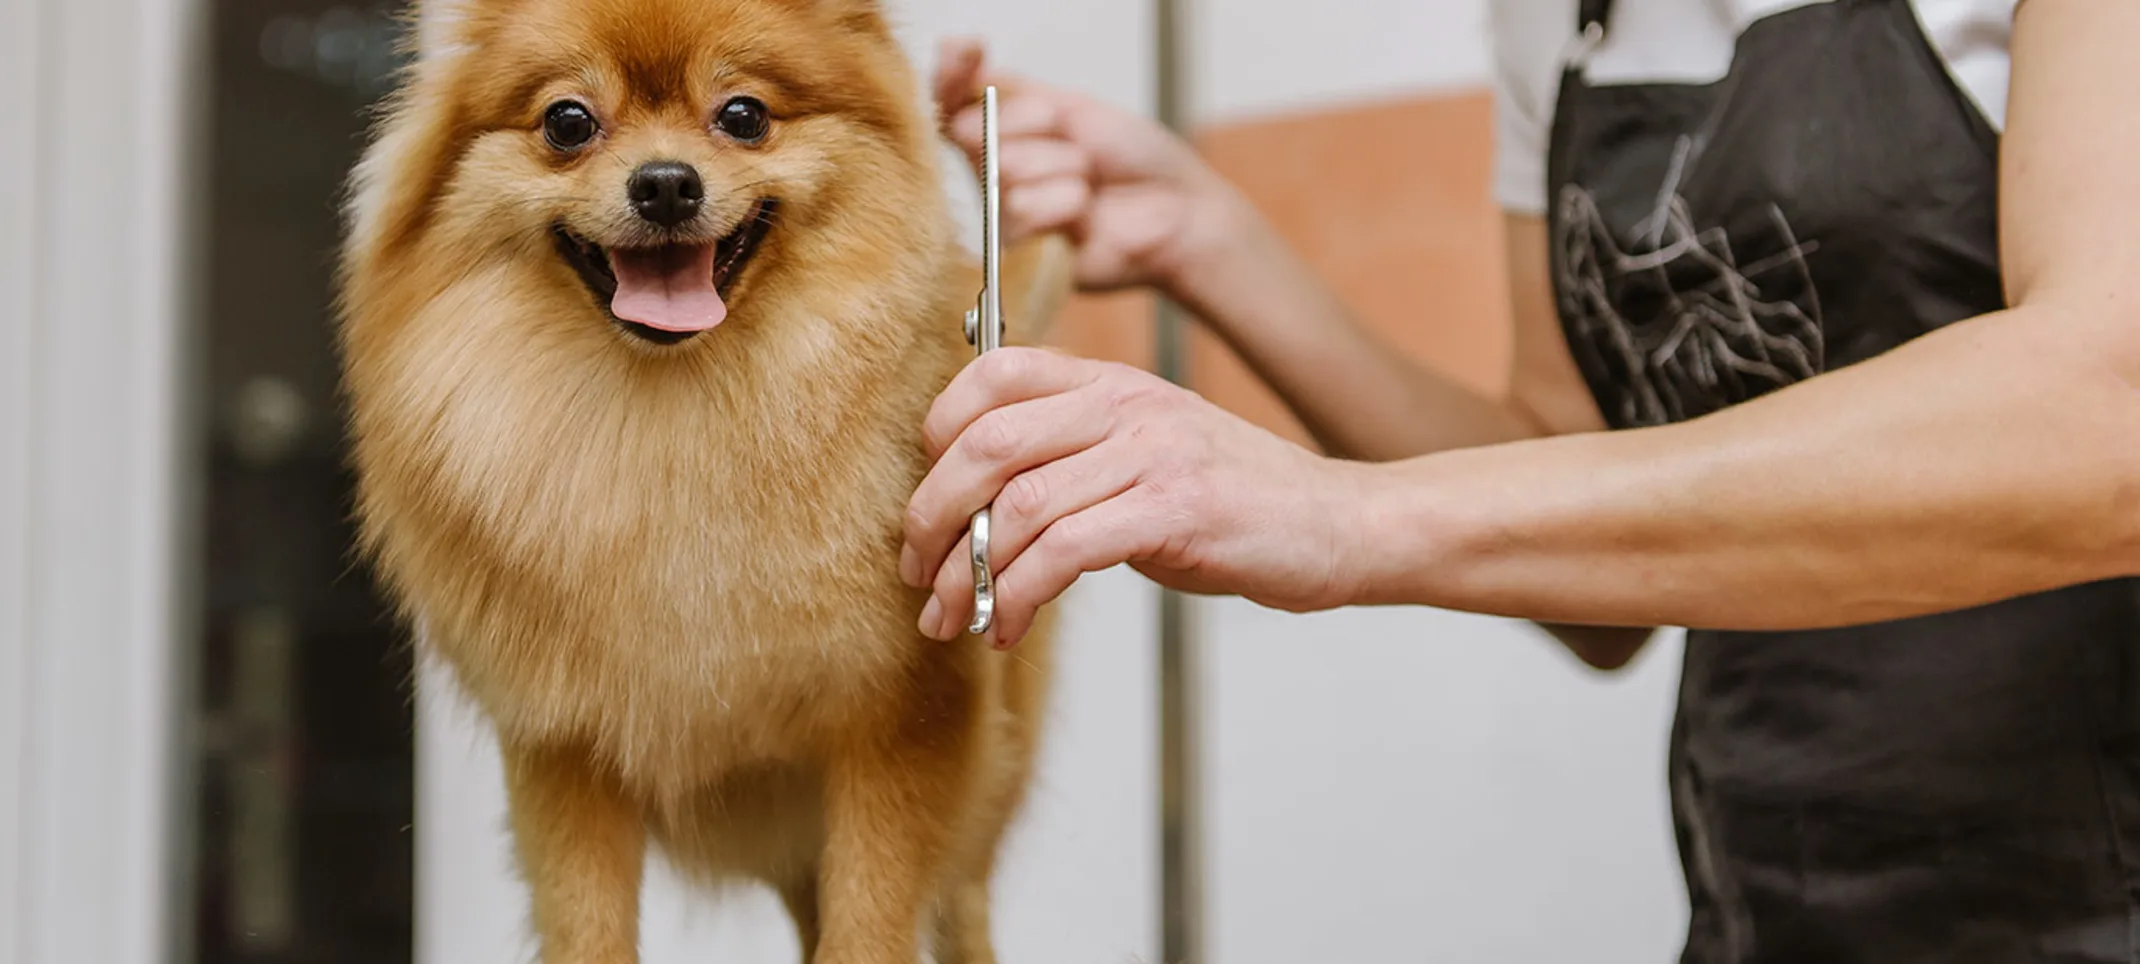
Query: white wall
[[1255, 57], [1406, 782], [18, 236], [91, 431], [1434, 786]]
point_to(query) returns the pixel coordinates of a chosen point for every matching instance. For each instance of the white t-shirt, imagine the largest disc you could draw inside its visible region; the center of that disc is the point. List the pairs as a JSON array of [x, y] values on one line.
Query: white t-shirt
[[1685, 41]]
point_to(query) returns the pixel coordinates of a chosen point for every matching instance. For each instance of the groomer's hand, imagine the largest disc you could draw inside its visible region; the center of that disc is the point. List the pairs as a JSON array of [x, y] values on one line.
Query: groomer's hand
[[1094, 464], [1136, 200]]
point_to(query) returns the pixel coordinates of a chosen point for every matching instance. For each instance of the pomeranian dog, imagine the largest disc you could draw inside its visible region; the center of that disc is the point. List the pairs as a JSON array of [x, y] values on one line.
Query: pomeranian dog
[[643, 303]]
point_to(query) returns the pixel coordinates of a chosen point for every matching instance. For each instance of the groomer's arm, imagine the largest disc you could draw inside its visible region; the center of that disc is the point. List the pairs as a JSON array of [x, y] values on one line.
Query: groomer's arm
[[1354, 391], [1993, 458], [1996, 457], [1546, 386], [1147, 210], [1362, 398]]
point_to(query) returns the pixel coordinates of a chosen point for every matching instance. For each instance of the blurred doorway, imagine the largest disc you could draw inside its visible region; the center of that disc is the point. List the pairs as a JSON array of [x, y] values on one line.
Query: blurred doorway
[[303, 845]]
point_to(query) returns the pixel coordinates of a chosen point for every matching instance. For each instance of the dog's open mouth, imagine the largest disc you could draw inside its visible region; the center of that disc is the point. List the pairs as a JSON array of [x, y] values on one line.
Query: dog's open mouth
[[668, 293]]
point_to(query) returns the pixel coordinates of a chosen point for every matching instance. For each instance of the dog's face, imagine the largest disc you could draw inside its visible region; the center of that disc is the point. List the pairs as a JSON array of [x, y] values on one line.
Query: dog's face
[[670, 160]]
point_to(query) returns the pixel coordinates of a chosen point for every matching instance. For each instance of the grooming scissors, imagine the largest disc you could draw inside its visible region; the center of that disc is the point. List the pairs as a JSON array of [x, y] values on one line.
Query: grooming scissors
[[984, 331]]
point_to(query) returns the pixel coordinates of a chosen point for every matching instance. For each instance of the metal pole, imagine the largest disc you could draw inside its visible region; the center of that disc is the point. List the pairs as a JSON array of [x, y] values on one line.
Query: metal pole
[[1181, 891]]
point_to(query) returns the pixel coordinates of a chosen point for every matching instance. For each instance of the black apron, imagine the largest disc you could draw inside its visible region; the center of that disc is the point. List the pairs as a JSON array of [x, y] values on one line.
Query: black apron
[[1956, 788]]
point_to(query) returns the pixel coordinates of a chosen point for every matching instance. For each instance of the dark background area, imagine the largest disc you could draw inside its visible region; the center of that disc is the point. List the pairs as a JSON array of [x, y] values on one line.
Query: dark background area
[[306, 800]]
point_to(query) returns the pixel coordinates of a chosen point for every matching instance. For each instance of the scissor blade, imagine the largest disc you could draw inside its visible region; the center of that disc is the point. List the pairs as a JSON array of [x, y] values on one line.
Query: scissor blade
[[987, 336], [991, 227]]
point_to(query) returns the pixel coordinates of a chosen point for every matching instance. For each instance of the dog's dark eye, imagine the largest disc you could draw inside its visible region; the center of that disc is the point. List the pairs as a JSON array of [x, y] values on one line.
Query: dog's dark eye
[[743, 119], [568, 125]]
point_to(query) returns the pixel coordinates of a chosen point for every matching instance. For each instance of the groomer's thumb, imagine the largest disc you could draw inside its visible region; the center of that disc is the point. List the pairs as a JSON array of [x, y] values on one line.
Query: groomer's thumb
[[958, 75]]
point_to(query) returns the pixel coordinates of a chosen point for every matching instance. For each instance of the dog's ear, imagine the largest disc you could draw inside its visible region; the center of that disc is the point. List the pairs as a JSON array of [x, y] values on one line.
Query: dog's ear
[[860, 14], [435, 23], [447, 26]]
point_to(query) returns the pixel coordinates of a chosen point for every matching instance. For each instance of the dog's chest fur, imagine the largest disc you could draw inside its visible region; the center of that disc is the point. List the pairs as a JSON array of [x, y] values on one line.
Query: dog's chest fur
[[690, 569]]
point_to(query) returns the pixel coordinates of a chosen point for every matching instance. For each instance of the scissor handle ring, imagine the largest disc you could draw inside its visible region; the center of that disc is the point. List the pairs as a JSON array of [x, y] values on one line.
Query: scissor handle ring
[[984, 587]]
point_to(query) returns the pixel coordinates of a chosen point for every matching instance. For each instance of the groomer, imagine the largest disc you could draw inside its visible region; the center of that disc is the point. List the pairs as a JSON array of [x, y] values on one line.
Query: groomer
[[1854, 285]]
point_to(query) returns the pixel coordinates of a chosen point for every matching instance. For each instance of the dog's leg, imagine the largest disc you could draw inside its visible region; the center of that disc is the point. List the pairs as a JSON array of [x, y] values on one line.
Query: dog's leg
[[582, 849], [962, 928], [962, 933], [801, 900], [886, 815], [889, 813]]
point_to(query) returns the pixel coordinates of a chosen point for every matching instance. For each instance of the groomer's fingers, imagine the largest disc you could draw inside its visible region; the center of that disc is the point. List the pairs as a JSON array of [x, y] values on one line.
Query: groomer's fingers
[[1121, 529], [941, 622], [1013, 373], [1031, 113], [950, 607], [1056, 204], [1024, 509], [1034, 159], [957, 82], [1035, 498], [993, 449]]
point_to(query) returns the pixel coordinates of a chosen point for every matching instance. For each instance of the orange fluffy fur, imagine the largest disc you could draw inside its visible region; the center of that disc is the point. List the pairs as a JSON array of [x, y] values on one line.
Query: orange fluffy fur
[[668, 575]]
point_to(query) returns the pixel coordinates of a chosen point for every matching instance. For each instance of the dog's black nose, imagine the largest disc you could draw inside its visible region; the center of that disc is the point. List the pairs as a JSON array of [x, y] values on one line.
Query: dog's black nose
[[667, 193]]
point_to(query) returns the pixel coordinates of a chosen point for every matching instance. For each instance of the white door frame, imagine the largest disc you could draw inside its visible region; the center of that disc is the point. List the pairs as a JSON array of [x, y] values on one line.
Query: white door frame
[[95, 475]]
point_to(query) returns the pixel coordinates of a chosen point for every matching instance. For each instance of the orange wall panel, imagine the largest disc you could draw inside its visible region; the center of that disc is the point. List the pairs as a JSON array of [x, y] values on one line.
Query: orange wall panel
[[1389, 202], [1117, 327]]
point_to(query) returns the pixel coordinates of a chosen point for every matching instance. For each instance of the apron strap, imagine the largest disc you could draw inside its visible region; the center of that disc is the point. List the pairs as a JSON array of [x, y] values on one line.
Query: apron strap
[[1590, 17]]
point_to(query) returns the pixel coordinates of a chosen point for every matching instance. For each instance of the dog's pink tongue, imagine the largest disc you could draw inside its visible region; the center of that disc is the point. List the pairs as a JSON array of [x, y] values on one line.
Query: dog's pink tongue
[[670, 288]]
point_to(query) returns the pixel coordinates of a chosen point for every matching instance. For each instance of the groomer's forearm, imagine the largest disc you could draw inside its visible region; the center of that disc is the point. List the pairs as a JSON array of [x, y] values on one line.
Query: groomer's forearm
[[1992, 459], [1359, 396]]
